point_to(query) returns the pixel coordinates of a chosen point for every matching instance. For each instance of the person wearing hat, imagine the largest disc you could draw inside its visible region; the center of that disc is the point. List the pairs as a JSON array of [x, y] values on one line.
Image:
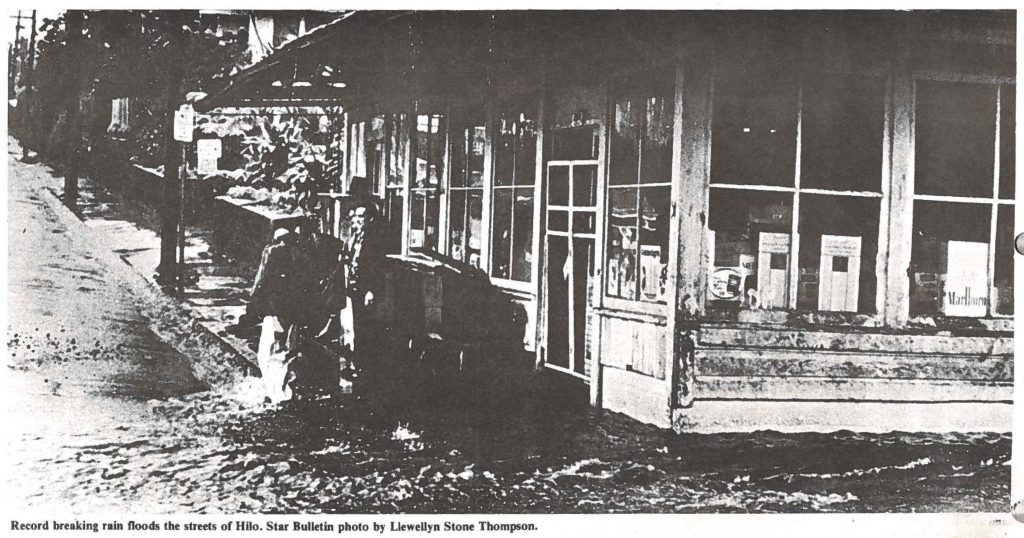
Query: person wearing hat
[[358, 277], [276, 299]]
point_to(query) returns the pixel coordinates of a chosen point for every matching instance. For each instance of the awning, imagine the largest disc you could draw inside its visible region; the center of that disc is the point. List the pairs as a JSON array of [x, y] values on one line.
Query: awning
[[374, 58]]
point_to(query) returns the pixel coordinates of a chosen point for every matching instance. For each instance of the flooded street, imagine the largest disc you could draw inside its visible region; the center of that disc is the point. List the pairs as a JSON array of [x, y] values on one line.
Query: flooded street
[[210, 452], [103, 416]]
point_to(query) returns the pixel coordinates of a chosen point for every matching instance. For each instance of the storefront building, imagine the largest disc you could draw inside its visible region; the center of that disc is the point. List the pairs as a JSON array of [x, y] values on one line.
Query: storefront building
[[716, 221]]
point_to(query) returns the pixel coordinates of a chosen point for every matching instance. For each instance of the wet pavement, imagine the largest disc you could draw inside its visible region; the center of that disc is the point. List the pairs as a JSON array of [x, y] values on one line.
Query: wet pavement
[[104, 416]]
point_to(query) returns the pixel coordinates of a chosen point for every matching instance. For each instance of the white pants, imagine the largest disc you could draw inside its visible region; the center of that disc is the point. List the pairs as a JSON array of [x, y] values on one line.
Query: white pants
[[348, 331], [271, 358]]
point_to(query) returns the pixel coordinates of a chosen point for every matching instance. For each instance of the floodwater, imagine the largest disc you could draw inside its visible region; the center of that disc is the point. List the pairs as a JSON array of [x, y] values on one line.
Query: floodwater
[[225, 451], [159, 442]]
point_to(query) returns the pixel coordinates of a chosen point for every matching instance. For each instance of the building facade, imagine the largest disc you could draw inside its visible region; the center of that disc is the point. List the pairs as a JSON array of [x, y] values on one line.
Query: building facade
[[714, 220]]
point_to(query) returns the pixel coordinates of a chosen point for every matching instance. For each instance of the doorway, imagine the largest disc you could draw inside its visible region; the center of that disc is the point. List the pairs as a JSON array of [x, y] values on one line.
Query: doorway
[[569, 242]]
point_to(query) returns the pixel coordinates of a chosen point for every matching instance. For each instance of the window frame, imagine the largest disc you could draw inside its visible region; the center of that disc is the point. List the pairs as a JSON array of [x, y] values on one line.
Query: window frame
[[464, 121], [994, 203], [534, 102], [802, 79], [656, 311], [443, 178]]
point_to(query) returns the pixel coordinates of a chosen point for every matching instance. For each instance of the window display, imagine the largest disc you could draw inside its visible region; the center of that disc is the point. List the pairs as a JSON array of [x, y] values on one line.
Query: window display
[[639, 192], [749, 249], [465, 198], [961, 257], [824, 216], [839, 273], [393, 160], [429, 151], [357, 148], [764, 124]]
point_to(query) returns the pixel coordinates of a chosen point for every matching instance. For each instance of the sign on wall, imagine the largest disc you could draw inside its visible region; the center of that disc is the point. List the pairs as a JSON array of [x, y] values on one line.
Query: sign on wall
[[208, 151], [184, 123]]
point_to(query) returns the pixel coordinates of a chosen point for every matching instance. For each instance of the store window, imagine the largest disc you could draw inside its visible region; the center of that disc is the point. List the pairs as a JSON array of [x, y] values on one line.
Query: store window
[[515, 175], [639, 190], [425, 190], [393, 158], [357, 149], [466, 190], [796, 193], [961, 256]]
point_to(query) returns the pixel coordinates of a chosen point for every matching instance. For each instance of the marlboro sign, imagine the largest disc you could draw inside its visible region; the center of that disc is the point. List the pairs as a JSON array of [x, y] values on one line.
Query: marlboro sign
[[965, 293]]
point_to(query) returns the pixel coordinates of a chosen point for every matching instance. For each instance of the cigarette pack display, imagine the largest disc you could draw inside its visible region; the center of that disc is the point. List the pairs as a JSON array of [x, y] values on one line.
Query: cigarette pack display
[[773, 269], [966, 279], [839, 273]]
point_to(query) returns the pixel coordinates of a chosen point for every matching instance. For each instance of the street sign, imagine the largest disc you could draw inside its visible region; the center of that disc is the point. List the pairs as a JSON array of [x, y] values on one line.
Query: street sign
[[206, 165], [208, 148], [208, 151], [184, 123]]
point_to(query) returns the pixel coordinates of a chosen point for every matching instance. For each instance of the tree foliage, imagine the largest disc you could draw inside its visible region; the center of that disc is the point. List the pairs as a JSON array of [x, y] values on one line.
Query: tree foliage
[[125, 53]]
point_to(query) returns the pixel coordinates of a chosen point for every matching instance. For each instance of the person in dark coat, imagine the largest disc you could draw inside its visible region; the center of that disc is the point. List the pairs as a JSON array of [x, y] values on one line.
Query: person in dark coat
[[356, 282], [276, 300], [277, 285], [364, 253]]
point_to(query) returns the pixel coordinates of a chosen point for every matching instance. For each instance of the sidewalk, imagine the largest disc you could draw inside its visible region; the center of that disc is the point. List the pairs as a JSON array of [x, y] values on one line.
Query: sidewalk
[[124, 248]]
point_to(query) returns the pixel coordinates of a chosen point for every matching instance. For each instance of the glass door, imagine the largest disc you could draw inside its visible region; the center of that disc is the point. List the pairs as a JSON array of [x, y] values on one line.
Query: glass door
[[569, 249]]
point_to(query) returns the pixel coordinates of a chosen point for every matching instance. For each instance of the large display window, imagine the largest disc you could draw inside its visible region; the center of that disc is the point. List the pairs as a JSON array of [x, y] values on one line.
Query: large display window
[[429, 151], [796, 192], [513, 192], [466, 188], [394, 162], [640, 191], [962, 248]]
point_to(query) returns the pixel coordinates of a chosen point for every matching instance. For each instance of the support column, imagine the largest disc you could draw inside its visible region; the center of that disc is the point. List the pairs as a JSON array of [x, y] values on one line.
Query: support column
[[901, 202], [27, 129], [692, 173], [171, 206], [73, 110]]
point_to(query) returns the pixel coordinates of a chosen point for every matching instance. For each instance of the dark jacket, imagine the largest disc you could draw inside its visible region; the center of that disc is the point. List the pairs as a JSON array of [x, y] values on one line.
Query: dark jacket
[[279, 287], [364, 259]]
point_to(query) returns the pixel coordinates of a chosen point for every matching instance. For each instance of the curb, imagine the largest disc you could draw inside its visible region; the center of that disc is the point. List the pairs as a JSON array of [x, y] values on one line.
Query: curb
[[215, 360]]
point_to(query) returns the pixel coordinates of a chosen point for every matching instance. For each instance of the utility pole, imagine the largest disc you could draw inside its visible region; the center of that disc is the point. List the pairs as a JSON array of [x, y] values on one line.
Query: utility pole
[[73, 109], [12, 59], [27, 134], [172, 205]]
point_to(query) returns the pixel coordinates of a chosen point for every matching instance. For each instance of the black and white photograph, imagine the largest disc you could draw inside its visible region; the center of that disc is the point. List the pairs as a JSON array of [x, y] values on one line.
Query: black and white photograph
[[507, 262]]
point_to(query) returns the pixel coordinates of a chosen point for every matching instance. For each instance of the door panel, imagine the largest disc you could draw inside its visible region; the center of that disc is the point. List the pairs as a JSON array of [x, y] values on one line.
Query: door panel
[[558, 302], [569, 239], [583, 270]]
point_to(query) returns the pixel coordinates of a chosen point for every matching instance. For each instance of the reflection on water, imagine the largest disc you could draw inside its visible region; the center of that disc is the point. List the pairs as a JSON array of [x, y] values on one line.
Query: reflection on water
[[226, 452]]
